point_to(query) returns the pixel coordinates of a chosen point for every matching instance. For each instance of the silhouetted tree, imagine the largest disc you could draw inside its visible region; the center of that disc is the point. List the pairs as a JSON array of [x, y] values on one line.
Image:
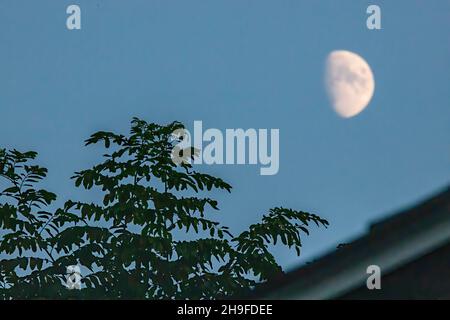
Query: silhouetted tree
[[150, 237]]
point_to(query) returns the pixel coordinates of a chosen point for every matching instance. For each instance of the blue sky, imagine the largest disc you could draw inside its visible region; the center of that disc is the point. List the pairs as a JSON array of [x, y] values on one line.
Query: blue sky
[[240, 64]]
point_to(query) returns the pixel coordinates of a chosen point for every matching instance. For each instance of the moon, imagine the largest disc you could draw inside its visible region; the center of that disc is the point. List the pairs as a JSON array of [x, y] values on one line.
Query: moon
[[349, 82]]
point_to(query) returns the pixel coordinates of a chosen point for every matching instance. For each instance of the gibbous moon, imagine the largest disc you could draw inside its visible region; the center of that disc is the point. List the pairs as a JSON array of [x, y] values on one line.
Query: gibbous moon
[[349, 82]]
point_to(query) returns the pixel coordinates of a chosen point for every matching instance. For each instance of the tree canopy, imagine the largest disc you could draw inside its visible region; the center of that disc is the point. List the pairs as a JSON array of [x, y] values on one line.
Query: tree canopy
[[150, 236]]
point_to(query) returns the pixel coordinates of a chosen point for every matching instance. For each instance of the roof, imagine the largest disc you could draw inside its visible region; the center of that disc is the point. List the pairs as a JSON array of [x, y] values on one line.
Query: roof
[[389, 243]]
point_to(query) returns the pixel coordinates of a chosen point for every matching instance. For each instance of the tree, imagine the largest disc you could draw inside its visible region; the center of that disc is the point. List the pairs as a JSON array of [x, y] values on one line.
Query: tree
[[151, 235]]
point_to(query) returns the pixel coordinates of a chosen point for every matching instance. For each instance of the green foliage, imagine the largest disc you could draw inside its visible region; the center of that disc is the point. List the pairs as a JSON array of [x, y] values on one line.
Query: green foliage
[[26, 229], [150, 236]]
